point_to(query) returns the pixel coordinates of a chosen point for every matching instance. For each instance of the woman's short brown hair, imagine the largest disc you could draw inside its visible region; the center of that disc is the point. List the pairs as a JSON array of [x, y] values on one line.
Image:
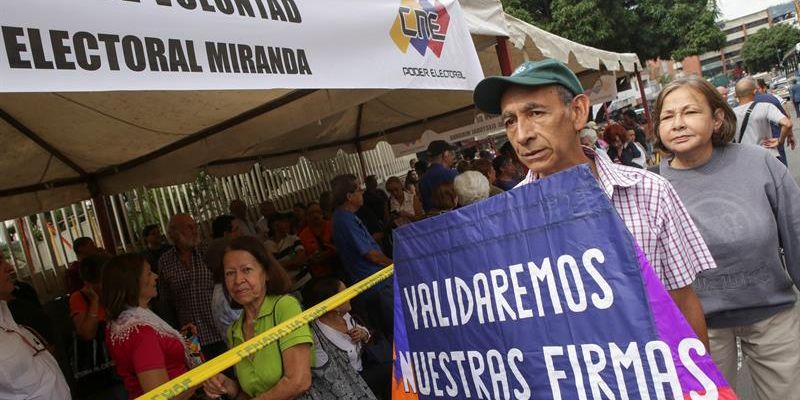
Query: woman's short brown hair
[[278, 280], [444, 197], [121, 283], [719, 137]]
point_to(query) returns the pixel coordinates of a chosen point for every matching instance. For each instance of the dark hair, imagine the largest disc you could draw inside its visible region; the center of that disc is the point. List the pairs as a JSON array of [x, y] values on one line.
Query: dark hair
[[409, 178], [147, 229], [485, 155], [278, 280], [121, 283], [341, 186], [499, 162], [80, 242], [483, 166], [444, 196], [91, 268], [761, 83], [719, 137], [630, 113], [319, 289], [421, 167], [463, 166], [311, 203], [507, 149], [221, 225], [299, 204]]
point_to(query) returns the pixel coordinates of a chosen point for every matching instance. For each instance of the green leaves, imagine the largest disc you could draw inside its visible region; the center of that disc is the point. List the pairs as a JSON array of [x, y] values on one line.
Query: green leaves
[[649, 28], [766, 47]]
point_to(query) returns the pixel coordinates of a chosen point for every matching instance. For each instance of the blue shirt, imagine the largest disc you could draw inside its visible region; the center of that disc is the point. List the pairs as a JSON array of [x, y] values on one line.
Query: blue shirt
[[434, 176], [768, 98], [794, 92], [353, 242]]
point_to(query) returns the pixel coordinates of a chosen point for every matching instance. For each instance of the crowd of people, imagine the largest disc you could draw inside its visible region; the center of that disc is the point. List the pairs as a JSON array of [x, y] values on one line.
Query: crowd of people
[[717, 215]]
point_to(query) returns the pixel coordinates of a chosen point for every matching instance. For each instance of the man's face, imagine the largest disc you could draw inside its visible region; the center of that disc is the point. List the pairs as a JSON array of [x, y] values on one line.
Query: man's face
[[448, 158], [356, 198], [540, 127], [183, 231]]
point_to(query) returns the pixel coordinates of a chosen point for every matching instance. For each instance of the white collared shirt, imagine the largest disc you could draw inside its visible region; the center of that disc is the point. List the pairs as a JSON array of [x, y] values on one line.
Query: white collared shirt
[[27, 370]]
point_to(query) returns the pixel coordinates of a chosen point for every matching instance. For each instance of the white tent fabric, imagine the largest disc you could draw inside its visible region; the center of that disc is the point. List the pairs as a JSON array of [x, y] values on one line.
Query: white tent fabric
[[120, 140]]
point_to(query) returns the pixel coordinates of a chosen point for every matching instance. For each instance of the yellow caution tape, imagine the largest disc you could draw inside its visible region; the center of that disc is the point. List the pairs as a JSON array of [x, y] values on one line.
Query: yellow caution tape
[[233, 356]]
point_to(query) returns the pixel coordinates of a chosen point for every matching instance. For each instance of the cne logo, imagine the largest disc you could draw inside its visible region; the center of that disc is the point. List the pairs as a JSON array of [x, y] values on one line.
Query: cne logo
[[422, 24]]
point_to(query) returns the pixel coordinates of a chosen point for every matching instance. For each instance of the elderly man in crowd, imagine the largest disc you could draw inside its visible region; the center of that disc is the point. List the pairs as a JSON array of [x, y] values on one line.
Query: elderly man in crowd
[[186, 283], [543, 109], [360, 254]]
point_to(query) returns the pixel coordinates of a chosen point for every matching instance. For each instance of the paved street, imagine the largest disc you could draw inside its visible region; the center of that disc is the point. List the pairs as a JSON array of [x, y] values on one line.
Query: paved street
[[744, 387]]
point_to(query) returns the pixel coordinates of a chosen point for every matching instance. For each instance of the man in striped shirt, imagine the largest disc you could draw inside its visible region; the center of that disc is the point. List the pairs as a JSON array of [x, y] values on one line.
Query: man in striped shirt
[[543, 109]]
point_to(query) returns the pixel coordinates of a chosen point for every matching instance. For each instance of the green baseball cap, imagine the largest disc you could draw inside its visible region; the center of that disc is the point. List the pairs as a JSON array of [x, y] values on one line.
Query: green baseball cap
[[489, 91]]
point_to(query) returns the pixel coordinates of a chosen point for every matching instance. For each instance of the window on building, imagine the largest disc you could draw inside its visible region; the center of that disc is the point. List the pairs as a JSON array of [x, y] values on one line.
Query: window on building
[[735, 29], [760, 22], [735, 41], [711, 60]]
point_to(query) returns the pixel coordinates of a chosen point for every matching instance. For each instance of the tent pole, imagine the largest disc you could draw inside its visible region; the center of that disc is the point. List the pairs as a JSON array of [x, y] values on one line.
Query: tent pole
[[503, 56], [359, 149], [644, 98], [101, 213]]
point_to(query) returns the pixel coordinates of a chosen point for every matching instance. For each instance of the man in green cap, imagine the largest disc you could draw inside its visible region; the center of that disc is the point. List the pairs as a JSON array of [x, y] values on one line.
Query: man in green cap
[[544, 107]]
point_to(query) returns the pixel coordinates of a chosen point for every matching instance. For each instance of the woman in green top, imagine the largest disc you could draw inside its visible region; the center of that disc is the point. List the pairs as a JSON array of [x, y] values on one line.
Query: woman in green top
[[257, 283]]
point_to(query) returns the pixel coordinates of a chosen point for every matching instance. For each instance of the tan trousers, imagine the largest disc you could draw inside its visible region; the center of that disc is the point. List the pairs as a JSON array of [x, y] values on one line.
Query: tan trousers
[[771, 350]]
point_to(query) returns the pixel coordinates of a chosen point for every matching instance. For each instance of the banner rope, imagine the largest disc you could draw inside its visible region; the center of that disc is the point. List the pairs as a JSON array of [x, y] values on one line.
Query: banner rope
[[233, 356]]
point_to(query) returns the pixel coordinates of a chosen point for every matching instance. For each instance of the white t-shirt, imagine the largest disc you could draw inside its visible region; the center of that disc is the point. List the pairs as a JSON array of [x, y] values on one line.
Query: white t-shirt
[[406, 206], [28, 370], [758, 127]]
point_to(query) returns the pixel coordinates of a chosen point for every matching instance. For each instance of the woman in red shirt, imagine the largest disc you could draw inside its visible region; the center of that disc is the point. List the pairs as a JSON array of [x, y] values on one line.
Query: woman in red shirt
[[148, 352]]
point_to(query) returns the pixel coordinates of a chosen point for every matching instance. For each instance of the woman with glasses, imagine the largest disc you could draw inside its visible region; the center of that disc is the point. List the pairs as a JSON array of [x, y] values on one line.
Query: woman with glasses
[[28, 370]]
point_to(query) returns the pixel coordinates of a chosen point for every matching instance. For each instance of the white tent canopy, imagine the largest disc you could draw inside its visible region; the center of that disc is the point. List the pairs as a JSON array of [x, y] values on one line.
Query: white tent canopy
[[57, 145]]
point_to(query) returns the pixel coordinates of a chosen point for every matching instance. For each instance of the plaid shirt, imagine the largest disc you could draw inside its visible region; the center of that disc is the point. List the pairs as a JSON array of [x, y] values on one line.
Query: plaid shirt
[[656, 217], [189, 291]]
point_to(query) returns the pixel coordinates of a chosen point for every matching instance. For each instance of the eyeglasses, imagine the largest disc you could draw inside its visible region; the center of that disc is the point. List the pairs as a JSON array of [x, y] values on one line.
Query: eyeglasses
[[36, 342]]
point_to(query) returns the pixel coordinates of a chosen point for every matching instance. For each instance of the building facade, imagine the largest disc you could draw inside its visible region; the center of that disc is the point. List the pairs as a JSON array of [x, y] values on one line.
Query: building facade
[[728, 60]]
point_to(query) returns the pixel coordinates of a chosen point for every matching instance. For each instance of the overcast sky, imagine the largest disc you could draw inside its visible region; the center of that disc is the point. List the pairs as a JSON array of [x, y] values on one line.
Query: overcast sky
[[736, 8]]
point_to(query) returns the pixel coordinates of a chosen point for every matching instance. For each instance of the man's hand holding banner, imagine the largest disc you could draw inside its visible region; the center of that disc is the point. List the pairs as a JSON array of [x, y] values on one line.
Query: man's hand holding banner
[[539, 293]]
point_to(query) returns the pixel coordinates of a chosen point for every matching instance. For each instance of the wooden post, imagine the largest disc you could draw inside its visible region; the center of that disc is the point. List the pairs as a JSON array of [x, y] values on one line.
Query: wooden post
[[503, 56]]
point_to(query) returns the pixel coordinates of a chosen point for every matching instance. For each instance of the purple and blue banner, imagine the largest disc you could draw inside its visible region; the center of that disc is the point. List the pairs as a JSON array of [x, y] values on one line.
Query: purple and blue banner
[[539, 293]]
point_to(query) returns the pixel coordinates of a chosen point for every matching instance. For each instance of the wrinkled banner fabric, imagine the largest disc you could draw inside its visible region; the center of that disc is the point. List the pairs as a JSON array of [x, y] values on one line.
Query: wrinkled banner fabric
[[541, 293]]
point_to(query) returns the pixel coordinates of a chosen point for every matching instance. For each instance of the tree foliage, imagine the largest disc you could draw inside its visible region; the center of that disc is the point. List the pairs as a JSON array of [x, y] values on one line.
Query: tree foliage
[[766, 47], [649, 28]]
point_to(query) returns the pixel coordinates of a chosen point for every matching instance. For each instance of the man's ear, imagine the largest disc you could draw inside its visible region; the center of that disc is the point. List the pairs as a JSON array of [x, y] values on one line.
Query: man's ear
[[580, 111]]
